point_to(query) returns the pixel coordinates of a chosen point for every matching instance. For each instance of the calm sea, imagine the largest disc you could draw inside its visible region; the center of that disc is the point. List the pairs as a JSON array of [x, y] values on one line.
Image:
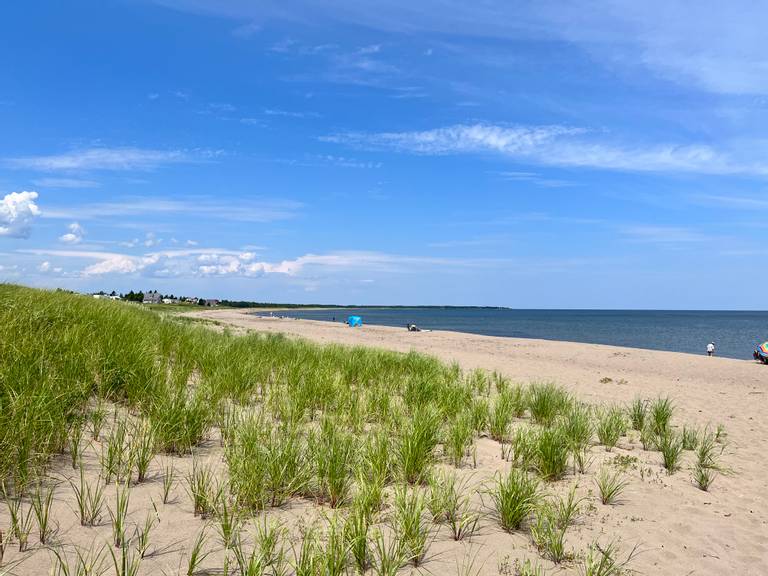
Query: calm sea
[[735, 333]]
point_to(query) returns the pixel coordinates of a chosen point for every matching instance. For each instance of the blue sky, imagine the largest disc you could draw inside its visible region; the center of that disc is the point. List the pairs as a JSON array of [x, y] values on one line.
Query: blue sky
[[566, 154]]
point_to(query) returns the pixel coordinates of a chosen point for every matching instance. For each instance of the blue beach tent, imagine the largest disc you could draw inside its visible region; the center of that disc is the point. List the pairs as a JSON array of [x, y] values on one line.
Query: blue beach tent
[[355, 321]]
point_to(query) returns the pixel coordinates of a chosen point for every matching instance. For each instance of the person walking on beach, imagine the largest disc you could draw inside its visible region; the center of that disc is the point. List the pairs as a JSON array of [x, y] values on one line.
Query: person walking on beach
[[711, 349]]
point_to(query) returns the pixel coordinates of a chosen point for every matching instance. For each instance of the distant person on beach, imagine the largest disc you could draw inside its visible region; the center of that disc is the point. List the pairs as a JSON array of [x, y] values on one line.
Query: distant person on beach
[[711, 349]]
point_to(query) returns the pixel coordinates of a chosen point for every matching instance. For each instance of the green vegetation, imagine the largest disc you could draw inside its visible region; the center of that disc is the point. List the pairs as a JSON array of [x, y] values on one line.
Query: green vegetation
[[367, 434], [610, 485], [515, 496]]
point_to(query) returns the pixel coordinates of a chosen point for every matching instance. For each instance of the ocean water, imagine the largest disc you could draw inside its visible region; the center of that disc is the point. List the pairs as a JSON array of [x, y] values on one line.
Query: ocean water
[[735, 333]]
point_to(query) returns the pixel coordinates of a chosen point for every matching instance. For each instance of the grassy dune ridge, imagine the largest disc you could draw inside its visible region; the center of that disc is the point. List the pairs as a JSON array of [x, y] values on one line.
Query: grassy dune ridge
[[59, 351], [388, 442]]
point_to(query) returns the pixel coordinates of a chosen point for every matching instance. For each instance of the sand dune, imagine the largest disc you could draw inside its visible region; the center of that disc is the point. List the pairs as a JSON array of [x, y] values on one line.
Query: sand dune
[[680, 529]]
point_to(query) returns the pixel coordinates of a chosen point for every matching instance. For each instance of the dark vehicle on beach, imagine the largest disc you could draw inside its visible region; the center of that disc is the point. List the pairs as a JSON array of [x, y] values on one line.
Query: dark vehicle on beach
[[761, 353]]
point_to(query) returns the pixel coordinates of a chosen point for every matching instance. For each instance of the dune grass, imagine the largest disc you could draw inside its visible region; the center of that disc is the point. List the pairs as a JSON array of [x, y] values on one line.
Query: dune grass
[[337, 426]]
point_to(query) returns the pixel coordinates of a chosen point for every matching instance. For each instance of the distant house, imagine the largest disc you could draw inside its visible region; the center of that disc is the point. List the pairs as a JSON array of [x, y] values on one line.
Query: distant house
[[114, 297], [152, 297], [211, 302]]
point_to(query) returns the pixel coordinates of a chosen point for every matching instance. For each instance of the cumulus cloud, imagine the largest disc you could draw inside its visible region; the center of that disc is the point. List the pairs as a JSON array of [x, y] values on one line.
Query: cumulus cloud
[[17, 212], [75, 234], [221, 262], [44, 267]]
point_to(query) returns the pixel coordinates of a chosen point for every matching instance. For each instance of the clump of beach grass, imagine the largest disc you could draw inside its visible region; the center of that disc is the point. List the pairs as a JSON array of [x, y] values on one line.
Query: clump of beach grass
[[637, 411], [568, 508], [546, 401], [21, 523], [515, 497], [87, 562], [501, 417], [334, 459], [142, 448], [197, 553], [610, 426], [548, 534], [126, 562], [480, 413], [356, 529], [552, 450], [610, 485], [142, 533], [117, 458], [119, 514], [414, 451], [523, 447], [75, 440], [89, 498], [690, 438], [42, 500], [706, 468], [409, 522], [201, 488], [661, 411], [459, 439], [169, 479], [389, 554], [670, 444], [449, 501], [528, 568], [605, 561]]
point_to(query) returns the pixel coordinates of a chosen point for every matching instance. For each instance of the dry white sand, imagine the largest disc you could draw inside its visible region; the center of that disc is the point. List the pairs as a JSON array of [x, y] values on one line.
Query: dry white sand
[[680, 529]]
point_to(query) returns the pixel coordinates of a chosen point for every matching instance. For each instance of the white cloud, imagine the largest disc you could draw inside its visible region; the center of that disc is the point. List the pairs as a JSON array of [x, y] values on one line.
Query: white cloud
[[565, 146], [717, 46], [663, 234], [104, 159], [223, 262], [733, 202], [289, 114], [151, 240], [44, 267], [65, 183], [17, 212], [250, 210], [75, 234]]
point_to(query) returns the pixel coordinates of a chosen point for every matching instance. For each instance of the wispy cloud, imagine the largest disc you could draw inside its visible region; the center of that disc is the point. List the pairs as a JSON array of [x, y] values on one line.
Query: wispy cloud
[[663, 234], [290, 114], [107, 159], [561, 146], [249, 210], [533, 178], [65, 183], [733, 202], [671, 39]]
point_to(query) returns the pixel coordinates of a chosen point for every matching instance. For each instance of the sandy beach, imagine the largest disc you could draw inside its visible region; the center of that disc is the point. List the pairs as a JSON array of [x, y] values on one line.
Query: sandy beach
[[681, 530], [675, 528]]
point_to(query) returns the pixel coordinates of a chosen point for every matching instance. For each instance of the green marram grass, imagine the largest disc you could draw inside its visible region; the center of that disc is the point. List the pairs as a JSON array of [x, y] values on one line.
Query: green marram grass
[[336, 424]]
